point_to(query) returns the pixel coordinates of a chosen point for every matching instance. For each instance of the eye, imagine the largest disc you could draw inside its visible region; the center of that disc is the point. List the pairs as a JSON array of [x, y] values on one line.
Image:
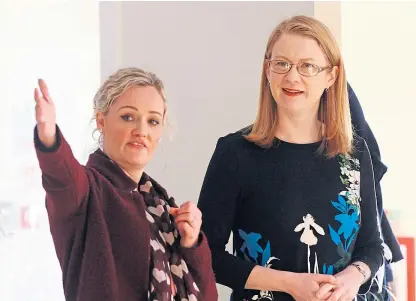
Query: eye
[[154, 122], [127, 117], [281, 64], [309, 66]]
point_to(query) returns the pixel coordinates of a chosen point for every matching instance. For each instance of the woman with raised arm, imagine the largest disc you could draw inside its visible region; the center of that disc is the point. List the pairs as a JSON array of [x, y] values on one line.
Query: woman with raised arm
[[117, 233]]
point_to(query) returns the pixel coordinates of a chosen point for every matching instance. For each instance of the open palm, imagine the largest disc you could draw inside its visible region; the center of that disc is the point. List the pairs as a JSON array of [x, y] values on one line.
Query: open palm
[[45, 115]]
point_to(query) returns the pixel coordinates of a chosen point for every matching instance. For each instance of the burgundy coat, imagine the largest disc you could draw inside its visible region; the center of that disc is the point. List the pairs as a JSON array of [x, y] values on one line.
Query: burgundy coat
[[98, 225]]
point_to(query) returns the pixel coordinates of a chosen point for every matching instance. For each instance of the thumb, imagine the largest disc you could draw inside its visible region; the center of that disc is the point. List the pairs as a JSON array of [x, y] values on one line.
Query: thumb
[[173, 211]]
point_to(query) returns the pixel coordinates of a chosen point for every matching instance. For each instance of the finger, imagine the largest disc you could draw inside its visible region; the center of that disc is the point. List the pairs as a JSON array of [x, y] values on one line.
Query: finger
[[173, 211], [44, 89], [188, 218], [186, 230], [337, 294], [190, 207], [320, 278], [325, 291], [186, 207], [38, 97]]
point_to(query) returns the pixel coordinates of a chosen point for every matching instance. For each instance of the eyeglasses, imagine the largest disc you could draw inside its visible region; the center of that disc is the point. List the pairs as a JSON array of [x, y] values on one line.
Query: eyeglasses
[[305, 69]]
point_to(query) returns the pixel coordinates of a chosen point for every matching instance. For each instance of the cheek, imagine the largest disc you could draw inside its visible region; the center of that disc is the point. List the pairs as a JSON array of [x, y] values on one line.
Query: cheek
[[118, 134], [275, 85], [155, 135]]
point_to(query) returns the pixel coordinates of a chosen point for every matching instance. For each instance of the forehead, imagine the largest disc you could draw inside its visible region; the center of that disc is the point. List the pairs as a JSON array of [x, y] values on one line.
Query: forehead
[[145, 98], [297, 47]]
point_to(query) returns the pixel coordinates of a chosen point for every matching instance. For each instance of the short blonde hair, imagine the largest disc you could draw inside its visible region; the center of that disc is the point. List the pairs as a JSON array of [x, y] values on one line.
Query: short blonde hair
[[334, 111], [119, 82]]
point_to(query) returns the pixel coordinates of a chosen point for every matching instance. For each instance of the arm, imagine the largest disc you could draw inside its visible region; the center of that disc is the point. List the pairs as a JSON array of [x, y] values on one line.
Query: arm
[[63, 178], [199, 262], [368, 250], [218, 203], [363, 129]]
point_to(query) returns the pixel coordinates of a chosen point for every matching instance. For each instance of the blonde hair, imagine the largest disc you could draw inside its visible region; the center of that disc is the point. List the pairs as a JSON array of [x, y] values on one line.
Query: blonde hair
[[333, 111], [118, 83]]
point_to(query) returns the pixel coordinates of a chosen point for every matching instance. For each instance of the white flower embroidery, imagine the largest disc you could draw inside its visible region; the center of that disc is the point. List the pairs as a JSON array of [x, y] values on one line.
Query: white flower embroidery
[[308, 237]]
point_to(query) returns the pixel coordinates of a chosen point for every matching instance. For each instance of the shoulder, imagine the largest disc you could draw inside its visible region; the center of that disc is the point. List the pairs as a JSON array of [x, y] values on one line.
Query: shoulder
[[360, 153], [236, 140], [360, 146]]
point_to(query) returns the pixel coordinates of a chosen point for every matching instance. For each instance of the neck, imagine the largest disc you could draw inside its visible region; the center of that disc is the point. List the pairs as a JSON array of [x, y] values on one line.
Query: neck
[[132, 172], [299, 128], [135, 175]]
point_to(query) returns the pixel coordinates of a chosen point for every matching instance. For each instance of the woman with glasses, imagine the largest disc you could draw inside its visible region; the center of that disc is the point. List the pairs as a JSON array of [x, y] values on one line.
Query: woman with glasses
[[297, 188]]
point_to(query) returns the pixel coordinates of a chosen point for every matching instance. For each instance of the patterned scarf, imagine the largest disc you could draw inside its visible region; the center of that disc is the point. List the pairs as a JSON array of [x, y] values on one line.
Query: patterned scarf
[[170, 278]]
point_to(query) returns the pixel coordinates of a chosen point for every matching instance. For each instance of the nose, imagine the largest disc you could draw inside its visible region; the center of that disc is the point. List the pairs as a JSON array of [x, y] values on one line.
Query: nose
[[141, 128], [293, 75]]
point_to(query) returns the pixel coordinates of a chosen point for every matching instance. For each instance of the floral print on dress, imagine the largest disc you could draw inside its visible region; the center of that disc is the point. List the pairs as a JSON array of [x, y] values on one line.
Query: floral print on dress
[[251, 250], [350, 177], [348, 206], [309, 238]]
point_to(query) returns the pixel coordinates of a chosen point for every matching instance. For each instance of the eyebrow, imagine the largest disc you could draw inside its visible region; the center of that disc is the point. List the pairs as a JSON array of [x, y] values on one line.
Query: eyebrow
[[283, 57], [134, 108]]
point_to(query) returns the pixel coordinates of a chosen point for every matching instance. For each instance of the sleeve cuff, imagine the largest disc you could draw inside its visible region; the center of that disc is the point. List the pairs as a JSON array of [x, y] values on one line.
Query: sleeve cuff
[[41, 147], [365, 287], [196, 250]]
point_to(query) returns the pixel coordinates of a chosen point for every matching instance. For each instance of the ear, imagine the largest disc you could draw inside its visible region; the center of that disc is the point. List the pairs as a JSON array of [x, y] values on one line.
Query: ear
[[99, 120], [332, 76], [267, 71]]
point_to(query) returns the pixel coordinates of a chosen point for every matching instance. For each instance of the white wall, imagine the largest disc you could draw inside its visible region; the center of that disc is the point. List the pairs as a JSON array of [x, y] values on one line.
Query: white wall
[[59, 41], [379, 46], [209, 55]]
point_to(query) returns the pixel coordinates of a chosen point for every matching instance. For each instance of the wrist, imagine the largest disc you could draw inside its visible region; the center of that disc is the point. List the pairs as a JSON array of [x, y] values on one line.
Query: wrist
[[285, 281], [360, 271], [262, 278], [191, 243]]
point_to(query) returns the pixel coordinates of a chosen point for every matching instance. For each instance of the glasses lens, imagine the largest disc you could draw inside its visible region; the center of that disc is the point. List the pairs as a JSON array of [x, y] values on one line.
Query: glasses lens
[[280, 66], [307, 69]]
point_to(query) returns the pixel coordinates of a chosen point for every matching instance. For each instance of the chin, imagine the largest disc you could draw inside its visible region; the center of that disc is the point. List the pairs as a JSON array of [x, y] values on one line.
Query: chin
[[137, 162]]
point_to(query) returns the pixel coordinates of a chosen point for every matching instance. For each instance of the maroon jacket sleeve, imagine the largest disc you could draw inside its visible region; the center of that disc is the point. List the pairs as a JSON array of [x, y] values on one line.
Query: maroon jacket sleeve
[[63, 178], [199, 262]]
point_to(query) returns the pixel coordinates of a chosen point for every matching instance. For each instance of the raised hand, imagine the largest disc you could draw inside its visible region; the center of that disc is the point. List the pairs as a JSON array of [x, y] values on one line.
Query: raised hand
[[188, 219], [45, 115]]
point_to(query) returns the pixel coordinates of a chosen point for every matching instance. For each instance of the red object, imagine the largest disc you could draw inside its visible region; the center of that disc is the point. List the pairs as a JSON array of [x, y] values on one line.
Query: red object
[[409, 243]]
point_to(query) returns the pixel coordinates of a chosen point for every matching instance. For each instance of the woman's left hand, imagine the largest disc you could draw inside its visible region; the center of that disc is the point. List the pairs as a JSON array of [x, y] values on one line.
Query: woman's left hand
[[188, 219], [349, 280]]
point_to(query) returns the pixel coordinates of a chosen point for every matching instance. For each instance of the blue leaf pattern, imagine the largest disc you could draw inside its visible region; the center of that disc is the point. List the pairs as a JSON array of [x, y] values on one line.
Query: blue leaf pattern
[[334, 235], [338, 206], [348, 206], [348, 224], [251, 244], [342, 201], [266, 254]]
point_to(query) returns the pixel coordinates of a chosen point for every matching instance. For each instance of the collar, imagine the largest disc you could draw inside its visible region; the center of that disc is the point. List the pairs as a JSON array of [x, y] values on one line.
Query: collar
[[116, 175], [111, 170]]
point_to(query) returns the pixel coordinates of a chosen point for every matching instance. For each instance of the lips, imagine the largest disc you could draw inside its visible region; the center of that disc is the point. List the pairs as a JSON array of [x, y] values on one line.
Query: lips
[[291, 92], [137, 144]]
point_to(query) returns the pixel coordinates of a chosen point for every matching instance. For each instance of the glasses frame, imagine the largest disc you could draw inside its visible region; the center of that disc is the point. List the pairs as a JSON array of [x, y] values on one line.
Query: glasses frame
[[320, 69]]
